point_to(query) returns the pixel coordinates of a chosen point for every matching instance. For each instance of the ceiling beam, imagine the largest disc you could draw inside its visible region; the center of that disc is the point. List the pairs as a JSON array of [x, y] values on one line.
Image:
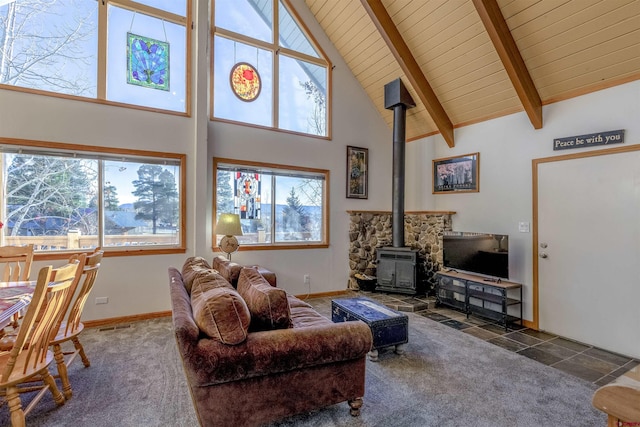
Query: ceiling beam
[[507, 49], [410, 67]]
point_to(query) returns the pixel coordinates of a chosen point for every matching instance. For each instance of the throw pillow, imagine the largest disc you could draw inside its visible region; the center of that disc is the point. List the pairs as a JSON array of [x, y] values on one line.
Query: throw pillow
[[229, 270], [190, 268], [221, 314], [269, 306]]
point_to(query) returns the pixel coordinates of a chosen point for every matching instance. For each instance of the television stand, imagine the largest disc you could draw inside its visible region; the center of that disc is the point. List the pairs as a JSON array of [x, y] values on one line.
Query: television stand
[[489, 298]]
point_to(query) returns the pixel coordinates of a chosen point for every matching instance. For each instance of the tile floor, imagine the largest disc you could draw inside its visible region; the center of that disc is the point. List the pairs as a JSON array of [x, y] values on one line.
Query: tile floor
[[583, 361]]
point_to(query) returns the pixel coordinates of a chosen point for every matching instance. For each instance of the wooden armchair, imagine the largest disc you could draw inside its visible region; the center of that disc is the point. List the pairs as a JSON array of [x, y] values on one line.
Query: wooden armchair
[[29, 358], [70, 329], [16, 261]]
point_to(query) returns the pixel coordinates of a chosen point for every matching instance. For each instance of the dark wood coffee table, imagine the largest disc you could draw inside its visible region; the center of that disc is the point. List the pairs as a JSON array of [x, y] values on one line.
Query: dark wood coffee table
[[388, 327]]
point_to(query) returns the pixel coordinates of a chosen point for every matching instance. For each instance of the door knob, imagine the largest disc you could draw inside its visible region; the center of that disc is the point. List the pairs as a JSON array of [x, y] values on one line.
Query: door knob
[[543, 245], [544, 255]]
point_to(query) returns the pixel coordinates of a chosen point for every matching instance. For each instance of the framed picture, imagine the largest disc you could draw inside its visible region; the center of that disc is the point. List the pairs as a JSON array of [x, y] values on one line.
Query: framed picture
[[459, 174], [357, 173]]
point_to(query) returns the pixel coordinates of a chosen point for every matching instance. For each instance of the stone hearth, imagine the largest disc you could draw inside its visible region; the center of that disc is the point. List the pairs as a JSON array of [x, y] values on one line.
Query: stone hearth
[[369, 230]]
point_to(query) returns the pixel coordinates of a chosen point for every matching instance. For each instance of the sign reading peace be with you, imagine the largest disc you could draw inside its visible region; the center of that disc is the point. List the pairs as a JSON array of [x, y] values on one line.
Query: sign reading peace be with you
[[581, 141]]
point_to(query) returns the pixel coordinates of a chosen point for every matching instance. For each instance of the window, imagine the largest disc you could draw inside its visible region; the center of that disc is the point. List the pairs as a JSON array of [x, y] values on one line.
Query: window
[[84, 197], [61, 47], [279, 206], [291, 70]]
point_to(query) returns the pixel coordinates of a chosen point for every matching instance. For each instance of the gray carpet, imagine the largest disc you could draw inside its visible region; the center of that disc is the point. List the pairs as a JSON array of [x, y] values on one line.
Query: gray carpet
[[445, 378]]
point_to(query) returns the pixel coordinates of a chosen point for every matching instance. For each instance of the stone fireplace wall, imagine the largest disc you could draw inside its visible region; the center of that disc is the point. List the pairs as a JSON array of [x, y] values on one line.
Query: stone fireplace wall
[[369, 230]]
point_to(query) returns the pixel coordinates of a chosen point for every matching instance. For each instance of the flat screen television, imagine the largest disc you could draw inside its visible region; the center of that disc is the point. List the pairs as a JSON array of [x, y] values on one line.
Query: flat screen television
[[477, 253]]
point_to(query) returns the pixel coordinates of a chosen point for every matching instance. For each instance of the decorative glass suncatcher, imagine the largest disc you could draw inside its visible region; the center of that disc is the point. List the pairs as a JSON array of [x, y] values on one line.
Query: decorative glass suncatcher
[[147, 62], [245, 81], [247, 191]]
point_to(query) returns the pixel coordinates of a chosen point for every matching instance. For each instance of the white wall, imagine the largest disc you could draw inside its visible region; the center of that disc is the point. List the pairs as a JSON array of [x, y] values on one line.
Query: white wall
[[134, 284], [355, 122], [507, 146]]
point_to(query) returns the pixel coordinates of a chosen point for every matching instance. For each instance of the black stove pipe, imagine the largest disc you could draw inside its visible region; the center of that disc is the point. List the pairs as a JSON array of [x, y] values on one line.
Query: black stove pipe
[[397, 97], [399, 142]]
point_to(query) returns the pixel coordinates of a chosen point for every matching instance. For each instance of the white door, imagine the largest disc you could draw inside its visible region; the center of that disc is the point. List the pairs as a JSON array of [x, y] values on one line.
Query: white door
[[589, 250]]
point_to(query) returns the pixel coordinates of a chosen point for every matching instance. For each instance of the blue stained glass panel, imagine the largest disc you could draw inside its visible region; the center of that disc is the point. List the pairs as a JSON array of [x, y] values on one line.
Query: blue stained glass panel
[[147, 62]]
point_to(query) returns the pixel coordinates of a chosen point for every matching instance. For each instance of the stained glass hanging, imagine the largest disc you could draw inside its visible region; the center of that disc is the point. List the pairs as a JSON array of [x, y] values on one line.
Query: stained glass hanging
[[147, 62], [245, 81], [247, 190]]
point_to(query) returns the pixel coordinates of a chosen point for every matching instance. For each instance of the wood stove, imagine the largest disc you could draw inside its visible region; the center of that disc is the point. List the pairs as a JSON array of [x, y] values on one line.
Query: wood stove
[[397, 265], [397, 270]]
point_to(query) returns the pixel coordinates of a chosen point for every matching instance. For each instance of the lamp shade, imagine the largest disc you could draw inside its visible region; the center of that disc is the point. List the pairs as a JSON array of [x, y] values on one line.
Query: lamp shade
[[229, 225]]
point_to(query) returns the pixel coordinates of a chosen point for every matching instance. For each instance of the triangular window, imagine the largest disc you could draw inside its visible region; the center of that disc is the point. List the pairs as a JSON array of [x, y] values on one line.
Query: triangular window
[[291, 36]]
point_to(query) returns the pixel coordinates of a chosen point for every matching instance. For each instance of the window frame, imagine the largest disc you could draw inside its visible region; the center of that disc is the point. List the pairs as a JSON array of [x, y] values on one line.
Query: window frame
[[275, 49], [324, 243], [101, 72], [69, 149]]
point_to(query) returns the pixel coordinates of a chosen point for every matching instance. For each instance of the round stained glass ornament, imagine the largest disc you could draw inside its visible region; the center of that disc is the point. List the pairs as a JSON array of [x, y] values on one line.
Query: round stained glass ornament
[[245, 81]]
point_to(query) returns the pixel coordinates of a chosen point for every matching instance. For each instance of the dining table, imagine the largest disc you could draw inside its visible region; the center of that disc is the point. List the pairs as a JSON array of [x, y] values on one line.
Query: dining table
[[14, 298]]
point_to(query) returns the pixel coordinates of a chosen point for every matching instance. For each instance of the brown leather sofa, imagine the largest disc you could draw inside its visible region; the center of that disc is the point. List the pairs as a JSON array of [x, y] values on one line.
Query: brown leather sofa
[[253, 354]]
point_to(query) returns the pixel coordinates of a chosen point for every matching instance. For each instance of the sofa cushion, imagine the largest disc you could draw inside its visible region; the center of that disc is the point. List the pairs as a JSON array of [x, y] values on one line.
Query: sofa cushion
[[229, 270], [269, 306], [191, 267], [220, 313], [208, 278]]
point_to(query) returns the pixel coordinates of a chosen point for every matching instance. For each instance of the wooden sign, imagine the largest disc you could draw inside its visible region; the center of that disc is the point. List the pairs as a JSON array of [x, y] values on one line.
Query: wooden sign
[[582, 141]]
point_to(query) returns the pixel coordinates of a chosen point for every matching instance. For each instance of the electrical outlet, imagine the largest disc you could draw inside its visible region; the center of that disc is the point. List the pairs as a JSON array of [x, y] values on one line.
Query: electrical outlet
[[307, 279], [102, 300]]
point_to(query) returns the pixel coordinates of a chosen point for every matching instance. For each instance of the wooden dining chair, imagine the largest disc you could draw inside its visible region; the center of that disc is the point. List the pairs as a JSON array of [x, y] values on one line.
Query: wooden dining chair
[[30, 357], [71, 327], [16, 263]]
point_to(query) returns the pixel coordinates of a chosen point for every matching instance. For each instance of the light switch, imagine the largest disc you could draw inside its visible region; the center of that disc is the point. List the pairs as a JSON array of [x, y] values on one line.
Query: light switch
[[523, 227]]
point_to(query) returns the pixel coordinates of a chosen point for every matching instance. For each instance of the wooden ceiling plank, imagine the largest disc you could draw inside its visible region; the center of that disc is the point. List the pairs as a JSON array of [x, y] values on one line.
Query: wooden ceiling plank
[[365, 63], [608, 53], [580, 38], [498, 109], [563, 19], [426, 15], [512, 8], [498, 30], [593, 80], [361, 35], [407, 62], [459, 17], [536, 10], [485, 95], [431, 52], [335, 24], [467, 71], [462, 55], [379, 79], [588, 50], [465, 85], [472, 88], [498, 104]]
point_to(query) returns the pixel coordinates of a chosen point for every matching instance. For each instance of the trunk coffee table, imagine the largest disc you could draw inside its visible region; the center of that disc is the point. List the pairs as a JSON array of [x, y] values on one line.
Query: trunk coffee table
[[388, 327]]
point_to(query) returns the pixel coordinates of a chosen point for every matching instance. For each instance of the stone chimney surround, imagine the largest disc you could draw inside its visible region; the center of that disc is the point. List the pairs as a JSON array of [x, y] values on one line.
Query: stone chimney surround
[[423, 230]]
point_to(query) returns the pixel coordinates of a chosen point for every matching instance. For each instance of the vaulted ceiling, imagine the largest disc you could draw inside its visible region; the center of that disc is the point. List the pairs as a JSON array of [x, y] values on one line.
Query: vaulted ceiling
[[466, 61]]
